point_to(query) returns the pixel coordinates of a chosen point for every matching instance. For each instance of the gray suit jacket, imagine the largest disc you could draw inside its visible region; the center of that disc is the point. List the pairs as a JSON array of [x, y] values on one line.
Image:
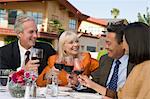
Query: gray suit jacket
[[102, 73]]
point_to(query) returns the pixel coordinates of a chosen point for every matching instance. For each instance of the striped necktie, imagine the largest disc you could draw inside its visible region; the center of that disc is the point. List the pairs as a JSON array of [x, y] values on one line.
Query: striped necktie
[[27, 56]]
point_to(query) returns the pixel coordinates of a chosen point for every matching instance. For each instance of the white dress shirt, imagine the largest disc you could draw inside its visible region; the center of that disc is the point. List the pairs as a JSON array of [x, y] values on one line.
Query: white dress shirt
[[122, 73], [22, 55]]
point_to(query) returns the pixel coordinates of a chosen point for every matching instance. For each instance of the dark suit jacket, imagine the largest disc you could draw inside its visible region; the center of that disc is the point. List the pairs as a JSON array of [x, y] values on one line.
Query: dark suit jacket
[[101, 75], [10, 55]]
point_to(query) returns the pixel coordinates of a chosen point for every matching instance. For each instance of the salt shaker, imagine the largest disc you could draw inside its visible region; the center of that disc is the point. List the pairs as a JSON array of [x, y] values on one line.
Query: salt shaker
[[27, 91], [54, 86], [33, 90]]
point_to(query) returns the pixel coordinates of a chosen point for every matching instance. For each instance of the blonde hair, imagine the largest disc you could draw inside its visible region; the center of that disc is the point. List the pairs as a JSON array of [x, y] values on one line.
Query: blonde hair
[[18, 27], [66, 36]]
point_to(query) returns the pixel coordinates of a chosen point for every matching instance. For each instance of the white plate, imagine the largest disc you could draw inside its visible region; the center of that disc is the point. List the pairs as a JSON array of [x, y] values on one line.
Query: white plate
[[86, 95], [65, 89], [41, 92]]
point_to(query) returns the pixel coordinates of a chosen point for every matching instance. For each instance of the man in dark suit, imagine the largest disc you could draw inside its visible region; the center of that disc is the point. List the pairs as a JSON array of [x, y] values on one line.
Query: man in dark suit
[[12, 56], [114, 46], [11, 59], [113, 67]]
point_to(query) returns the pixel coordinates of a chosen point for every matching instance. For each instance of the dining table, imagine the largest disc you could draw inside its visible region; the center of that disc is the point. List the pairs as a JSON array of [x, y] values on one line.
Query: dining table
[[63, 93]]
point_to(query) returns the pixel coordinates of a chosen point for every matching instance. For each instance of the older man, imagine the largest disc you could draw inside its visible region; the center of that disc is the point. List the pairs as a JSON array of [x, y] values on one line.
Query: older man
[[13, 55]]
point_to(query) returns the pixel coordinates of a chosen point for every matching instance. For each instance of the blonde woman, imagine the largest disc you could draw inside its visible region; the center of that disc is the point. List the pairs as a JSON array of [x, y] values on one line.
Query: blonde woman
[[69, 55]]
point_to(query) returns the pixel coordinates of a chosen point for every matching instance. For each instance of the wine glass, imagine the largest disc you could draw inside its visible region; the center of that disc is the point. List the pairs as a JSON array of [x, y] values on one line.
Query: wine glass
[[4, 79], [69, 64], [36, 54], [68, 67], [59, 64], [78, 68]]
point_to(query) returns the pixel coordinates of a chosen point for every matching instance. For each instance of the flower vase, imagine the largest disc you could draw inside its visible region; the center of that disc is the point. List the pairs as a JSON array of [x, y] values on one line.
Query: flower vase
[[16, 90]]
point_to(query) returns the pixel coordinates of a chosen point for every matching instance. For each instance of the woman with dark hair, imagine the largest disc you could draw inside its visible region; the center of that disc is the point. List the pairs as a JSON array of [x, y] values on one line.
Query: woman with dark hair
[[137, 42], [137, 45], [137, 36]]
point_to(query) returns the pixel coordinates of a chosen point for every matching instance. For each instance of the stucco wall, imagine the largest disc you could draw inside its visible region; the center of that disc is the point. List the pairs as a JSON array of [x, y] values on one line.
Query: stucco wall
[[1, 41], [93, 42], [89, 27]]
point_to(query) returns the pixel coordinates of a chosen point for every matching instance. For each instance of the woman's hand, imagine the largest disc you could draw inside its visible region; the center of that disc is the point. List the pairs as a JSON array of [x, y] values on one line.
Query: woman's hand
[[73, 80], [84, 80]]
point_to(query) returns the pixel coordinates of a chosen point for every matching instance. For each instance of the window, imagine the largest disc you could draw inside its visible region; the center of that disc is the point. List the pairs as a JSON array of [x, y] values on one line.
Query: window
[[82, 47], [38, 17], [91, 48], [2, 15], [72, 24], [12, 15]]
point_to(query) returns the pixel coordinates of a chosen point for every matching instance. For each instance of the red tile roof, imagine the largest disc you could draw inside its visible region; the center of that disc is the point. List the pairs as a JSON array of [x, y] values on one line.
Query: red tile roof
[[98, 21], [65, 3]]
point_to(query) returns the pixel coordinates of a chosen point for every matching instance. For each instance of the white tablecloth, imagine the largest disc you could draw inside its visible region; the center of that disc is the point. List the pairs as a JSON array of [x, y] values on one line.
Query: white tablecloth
[[61, 95]]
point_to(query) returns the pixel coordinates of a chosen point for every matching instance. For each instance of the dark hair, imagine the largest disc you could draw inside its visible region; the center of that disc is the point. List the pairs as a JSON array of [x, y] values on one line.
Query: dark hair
[[137, 36], [117, 27]]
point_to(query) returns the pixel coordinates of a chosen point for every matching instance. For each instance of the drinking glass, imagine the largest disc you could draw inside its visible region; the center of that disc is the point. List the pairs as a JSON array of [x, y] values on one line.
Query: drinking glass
[[78, 69], [69, 64], [36, 54], [52, 83], [4, 73]]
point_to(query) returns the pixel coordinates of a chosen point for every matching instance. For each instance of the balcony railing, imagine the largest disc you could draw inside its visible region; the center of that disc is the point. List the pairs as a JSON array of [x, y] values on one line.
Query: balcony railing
[[6, 31]]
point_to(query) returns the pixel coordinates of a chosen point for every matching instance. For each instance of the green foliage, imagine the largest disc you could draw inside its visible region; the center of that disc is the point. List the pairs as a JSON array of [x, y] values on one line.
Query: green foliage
[[56, 26], [145, 18], [55, 23], [115, 12], [9, 39]]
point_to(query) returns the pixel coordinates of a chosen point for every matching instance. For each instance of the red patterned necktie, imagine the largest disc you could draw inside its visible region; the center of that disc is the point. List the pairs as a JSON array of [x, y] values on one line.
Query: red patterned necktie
[[27, 56]]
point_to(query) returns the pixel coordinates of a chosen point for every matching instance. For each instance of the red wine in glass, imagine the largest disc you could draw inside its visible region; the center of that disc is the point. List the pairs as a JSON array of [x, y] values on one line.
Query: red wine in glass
[[37, 54], [78, 72], [68, 68], [36, 58]]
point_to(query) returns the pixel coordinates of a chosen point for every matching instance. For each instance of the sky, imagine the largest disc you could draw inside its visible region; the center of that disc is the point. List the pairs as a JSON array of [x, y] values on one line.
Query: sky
[[102, 8]]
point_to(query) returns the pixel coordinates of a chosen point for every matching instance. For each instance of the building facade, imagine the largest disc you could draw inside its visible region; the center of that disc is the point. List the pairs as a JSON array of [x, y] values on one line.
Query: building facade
[[50, 16], [44, 12]]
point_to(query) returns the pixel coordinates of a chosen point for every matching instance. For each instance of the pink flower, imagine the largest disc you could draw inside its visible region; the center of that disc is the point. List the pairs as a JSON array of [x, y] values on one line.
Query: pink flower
[[20, 79], [14, 78], [27, 74], [33, 77]]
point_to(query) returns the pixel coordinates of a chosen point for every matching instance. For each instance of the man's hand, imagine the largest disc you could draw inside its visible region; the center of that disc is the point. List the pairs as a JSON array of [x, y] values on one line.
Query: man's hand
[[32, 65]]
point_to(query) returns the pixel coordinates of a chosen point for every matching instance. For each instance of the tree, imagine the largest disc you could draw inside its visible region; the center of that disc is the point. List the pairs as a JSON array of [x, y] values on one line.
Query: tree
[[115, 12], [145, 18]]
